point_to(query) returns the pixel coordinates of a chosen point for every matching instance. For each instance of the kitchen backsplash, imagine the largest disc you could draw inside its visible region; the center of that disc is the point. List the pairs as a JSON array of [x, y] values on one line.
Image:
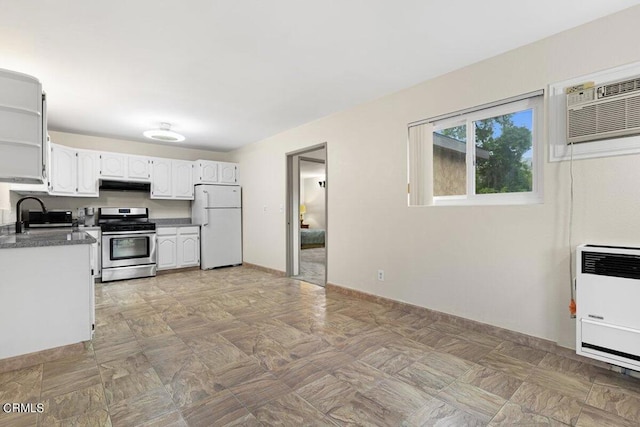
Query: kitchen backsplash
[[157, 208]]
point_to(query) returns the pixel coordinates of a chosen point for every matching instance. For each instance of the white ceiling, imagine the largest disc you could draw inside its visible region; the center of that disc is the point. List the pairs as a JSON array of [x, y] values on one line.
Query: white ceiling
[[230, 72]]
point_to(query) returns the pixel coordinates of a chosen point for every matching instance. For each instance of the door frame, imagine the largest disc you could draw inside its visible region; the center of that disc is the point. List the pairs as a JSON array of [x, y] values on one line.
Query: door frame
[[293, 226]]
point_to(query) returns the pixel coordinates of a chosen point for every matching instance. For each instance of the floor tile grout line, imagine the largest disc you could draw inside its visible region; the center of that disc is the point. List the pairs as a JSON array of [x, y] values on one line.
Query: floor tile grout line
[[326, 414], [104, 390], [582, 405]]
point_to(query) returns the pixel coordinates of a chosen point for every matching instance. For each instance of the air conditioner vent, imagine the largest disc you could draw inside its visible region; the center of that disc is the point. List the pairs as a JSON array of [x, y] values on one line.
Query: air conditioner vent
[[615, 265], [618, 88], [608, 111]]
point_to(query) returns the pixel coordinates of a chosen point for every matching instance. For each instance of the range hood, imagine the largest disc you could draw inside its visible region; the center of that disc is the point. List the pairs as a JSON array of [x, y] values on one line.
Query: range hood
[[107, 185]]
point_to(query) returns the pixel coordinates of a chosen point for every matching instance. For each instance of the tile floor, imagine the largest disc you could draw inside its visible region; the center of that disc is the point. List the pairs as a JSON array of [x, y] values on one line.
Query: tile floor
[[239, 346], [312, 265]]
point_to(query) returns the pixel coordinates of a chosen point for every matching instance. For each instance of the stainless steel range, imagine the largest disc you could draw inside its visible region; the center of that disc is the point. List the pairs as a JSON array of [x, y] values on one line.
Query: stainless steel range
[[128, 243]]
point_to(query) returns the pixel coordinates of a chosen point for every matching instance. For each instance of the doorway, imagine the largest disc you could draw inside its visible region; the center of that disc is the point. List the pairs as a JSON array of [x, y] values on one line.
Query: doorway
[[307, 231]]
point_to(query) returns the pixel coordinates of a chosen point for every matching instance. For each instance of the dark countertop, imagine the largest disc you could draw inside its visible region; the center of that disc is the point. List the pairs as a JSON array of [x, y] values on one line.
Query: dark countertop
[[40, 238]]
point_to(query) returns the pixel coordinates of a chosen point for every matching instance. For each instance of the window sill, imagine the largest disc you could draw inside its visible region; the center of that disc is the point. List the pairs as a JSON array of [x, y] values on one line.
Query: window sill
[[489, 200]]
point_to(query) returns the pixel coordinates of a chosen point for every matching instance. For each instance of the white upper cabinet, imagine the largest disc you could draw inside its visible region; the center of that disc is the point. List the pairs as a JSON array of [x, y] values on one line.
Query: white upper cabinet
[[113, 165], [23, 129], [73, 172], [206, 172], [118, 166], [211, 172], [182, 173], [228, 173], [139, 168], [161, 182], [172, 179], [64, 170], [88, 173]]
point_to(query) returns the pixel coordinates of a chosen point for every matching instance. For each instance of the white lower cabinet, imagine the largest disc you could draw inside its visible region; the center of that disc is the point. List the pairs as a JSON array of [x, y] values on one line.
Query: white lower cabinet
[[178, 247], [45, 304], [96, 252], [188, 246], [167, 248]]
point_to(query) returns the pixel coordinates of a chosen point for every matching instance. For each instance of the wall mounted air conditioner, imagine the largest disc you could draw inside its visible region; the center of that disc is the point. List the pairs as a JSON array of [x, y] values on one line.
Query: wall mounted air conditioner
[[610, 110], [608, 304]]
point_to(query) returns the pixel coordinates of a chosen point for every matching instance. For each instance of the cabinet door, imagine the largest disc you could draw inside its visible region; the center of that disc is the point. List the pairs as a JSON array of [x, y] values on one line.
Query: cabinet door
[[113, 165], [228, 173], [87, 173], [96, 250], [161, 181], [139, 168], [167, 252], [208, 172], [98, 271], [63, 170], [182, 172], [188, 247], [22, 120]]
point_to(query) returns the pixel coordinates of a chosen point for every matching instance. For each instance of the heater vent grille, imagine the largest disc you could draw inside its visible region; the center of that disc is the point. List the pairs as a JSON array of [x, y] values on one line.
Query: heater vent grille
[[615, 265]]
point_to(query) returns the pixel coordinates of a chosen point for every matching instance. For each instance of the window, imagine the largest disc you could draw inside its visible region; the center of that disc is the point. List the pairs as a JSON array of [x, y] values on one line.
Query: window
[[487, 155]]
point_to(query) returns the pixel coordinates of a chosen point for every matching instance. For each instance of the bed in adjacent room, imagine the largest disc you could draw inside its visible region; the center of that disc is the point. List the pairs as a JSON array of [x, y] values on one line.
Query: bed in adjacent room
[[311, 238]]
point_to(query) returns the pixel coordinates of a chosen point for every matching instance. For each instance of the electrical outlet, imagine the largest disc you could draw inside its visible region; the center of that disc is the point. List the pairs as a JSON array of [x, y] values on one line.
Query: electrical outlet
[[381, 275]]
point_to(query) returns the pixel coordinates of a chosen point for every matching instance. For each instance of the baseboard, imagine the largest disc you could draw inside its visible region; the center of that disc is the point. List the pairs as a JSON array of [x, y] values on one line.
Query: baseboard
[[38, 357], [265, 269], [177, 270], [495, 331]]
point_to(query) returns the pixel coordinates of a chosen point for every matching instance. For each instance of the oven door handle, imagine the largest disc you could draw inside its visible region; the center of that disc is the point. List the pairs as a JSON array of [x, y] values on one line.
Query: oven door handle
[[123, 233]]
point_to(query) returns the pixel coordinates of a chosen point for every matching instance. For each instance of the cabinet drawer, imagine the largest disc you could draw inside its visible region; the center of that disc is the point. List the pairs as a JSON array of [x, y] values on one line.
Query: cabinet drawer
[[167, 231], [189, 230]]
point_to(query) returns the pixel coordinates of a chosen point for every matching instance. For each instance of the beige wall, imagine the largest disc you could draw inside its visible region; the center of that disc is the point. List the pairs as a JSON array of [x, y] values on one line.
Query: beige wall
[[133, 147], [502, 265]]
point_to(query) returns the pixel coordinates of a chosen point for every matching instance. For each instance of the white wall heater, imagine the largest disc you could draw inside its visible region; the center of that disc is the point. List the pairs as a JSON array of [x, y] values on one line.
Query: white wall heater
[[608, 304]]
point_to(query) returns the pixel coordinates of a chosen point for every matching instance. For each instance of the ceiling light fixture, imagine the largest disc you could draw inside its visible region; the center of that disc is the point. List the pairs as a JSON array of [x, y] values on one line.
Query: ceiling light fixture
[[164, 134]]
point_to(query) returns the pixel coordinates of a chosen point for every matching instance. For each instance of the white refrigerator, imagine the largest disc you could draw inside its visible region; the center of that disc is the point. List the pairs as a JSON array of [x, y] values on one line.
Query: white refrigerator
[[218, 210]]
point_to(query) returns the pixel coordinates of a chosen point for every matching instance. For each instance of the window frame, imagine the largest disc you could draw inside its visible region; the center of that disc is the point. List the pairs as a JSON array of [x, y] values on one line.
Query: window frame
[[534, 103]]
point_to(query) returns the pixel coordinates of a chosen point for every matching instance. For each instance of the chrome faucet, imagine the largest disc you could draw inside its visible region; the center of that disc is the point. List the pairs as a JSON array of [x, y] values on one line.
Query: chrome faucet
[[19, 221]]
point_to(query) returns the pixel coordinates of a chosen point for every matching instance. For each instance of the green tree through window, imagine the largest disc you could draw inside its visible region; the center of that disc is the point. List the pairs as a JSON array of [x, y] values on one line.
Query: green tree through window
[[506, 170]]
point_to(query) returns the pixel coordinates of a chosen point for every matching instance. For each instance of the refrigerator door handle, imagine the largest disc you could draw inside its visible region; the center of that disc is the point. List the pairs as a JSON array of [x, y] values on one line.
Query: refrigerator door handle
[[206, 213]]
